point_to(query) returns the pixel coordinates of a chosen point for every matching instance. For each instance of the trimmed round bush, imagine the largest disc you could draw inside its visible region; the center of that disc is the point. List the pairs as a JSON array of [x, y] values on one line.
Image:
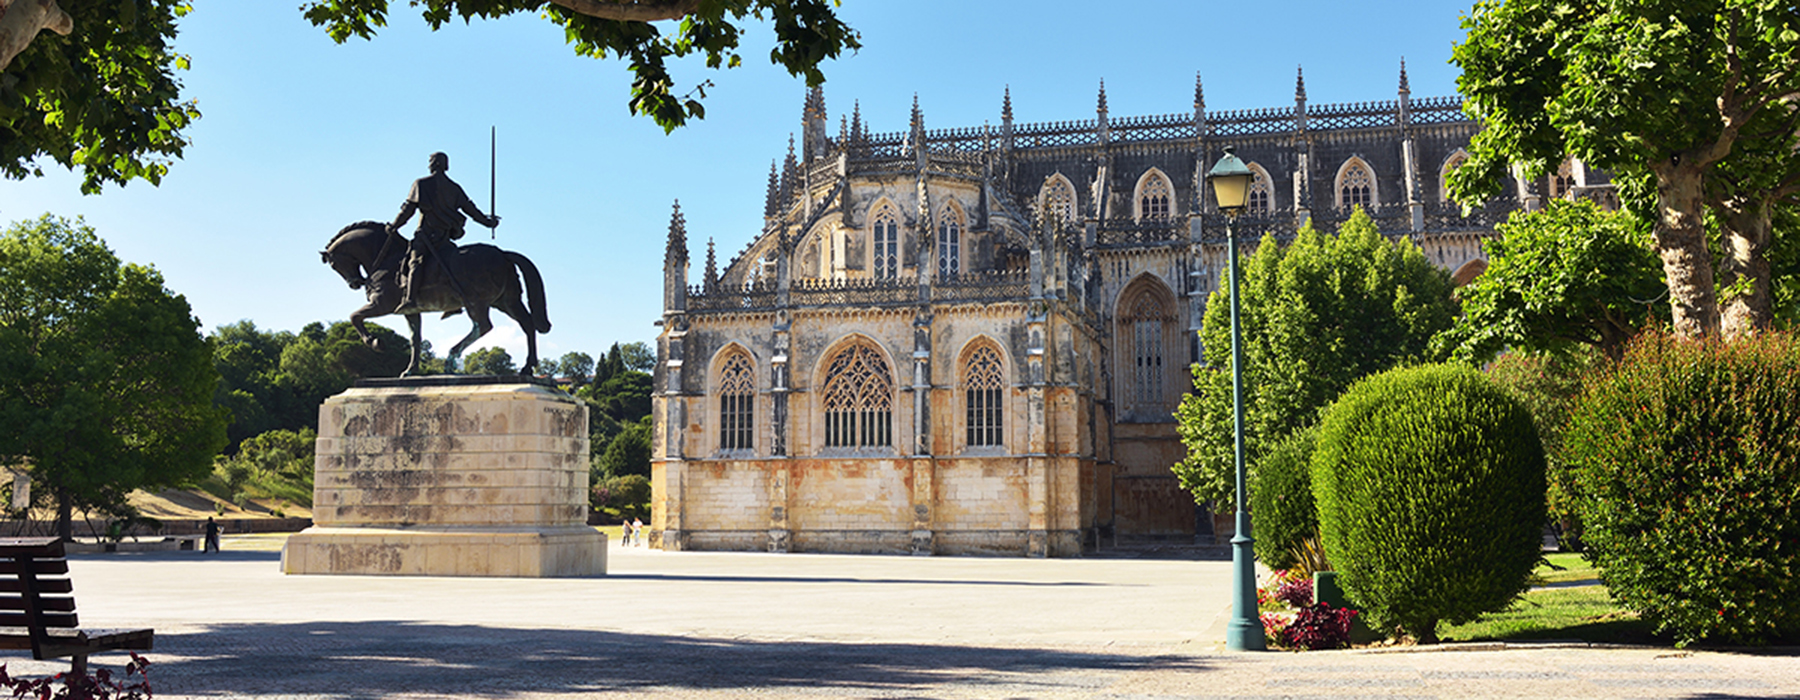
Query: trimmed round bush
[[1430, 490], [1281, 500], [1685, 472]]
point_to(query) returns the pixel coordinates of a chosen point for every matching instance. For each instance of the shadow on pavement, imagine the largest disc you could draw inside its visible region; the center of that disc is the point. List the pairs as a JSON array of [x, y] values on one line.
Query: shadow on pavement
[[376, 659], [737, 578], [176, 555]]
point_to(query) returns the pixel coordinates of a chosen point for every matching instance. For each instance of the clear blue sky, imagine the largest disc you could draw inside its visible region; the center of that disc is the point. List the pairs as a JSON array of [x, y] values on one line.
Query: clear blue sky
[[301, 136]]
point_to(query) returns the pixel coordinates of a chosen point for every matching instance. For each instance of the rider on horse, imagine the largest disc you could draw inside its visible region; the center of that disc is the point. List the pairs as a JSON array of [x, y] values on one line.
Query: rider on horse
[[442, 204]]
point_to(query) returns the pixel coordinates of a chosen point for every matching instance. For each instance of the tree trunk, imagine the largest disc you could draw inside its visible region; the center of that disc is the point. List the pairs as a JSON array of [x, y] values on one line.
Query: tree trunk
[[1750, 308], [65, 516], [1681, 243], [21, 20]]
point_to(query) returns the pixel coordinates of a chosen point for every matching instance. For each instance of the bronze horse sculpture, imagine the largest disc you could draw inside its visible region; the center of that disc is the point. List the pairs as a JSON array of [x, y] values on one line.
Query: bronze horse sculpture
[[368, 254]]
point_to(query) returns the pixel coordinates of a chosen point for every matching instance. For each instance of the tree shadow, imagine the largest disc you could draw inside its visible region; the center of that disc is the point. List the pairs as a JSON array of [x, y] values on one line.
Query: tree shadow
[[383, 658]]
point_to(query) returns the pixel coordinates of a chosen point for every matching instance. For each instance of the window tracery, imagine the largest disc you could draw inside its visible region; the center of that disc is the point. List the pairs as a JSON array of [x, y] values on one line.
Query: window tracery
[[1058, 199], [1562, 182], [887, 244], [949, 242], [1356, 186], [1455, 161], [1154, 197], [858, 399], [1262, 190], [983, 381], [737, 399]]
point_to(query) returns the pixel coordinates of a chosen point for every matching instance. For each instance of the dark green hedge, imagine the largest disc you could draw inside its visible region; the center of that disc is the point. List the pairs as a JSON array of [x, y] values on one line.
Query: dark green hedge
[[1685, 472], [1281, 500], [1430, 489]]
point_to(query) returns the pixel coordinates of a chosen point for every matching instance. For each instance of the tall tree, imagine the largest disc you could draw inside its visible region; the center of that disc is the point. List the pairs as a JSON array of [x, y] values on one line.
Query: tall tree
[[105, 382], [1317, 315], [577, 367], [1656, 91], [91, 85], [494, 360], [1565, 277]]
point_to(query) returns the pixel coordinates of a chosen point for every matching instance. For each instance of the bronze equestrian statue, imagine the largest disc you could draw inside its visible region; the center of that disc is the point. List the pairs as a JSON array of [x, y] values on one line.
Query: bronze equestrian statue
[[432, 274]]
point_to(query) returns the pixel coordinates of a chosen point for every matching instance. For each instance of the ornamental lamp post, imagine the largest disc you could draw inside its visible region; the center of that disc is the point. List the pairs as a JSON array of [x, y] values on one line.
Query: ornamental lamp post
[[1230, 180]]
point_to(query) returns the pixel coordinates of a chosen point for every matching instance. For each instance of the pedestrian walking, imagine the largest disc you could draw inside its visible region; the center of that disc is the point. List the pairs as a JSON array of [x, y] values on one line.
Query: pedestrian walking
[[637, 530], [212, 535]]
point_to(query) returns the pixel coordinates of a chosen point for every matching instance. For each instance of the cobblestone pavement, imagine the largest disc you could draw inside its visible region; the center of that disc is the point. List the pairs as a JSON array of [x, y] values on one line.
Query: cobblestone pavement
[[715, 625]]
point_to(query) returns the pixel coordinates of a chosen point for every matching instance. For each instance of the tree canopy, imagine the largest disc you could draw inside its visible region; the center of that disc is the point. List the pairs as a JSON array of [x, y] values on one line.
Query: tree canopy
[[1569, 275], [100, 98], [92, 86], [1659, 92], [105, 382], [807, 33], [1316, 315]]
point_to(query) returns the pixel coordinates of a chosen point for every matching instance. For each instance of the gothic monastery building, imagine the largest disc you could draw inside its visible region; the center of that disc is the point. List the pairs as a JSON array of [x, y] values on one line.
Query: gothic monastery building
[[972, 340]]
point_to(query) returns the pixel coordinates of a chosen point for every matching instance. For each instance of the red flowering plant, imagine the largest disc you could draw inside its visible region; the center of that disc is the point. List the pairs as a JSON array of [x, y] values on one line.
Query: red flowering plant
[[102, 685]]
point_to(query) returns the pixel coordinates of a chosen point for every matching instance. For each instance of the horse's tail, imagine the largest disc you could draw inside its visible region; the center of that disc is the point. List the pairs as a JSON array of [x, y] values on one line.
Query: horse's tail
[[534, 291]]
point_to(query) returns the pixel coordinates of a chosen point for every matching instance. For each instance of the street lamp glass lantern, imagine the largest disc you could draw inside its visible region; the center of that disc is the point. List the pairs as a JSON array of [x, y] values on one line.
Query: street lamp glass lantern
[[1231, 182]]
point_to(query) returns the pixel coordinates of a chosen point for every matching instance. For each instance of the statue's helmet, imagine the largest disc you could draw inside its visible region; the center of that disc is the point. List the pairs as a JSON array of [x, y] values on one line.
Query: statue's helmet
[[439, 162]]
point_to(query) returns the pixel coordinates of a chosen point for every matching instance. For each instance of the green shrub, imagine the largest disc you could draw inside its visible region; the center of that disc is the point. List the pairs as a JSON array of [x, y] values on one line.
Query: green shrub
[[1430, 489], [1685, 472], [623, 497], [1281, 500], [1549, 385]]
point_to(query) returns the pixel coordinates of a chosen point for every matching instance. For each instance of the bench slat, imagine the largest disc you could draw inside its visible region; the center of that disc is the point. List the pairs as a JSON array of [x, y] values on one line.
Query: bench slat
[[58, 603], [40, 547], [49, 619], [41, 567], [44, 585], [91, 641]]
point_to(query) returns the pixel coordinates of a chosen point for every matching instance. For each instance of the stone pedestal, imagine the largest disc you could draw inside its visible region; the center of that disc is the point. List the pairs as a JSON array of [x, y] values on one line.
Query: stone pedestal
[[450, 476]]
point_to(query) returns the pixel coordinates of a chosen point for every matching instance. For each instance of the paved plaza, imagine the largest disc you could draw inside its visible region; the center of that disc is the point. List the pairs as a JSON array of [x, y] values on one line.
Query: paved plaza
[[731, 625]]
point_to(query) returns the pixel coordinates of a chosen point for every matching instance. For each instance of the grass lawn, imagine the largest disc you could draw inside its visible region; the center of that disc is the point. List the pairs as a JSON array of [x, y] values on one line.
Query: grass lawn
[[1575, 607]]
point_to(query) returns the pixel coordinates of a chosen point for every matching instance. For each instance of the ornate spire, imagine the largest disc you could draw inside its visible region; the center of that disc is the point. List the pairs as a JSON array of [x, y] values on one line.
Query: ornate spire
[[711, 281], [843, 130], [771, 200], [1199, 96], [856, 125], [1404, 88], [677, 253], [1101, 108], [1006, 105], [918, 120], [1300, 84], [790, 176]]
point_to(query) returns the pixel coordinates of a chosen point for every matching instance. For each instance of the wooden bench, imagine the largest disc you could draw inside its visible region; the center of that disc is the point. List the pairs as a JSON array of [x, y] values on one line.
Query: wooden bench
[[37, 611]]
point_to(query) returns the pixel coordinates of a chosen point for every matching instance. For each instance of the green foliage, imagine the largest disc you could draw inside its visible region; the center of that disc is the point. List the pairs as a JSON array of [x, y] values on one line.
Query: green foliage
[[494, 360], [105, 382], [1549, 385], [276, 464], [807, 33], [276, 380], [1567, 276], [629, 453], [577, 367], [637, 356], [623, 497], [1317, 315], [1683, 472], [103, 100], [1430, 487], [1281, 500]]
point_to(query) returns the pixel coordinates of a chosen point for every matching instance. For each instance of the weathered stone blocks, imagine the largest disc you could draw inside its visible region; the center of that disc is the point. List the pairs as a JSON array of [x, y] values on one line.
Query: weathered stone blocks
[[436, 477]]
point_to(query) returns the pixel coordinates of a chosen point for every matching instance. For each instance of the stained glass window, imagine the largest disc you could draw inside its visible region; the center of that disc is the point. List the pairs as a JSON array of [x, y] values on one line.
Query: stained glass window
[[983, 380], [737, 399]]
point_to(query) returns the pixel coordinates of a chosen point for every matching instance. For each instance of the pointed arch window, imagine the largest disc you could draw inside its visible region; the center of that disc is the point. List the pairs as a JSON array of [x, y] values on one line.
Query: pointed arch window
[[859, 399], [1058, 199], [1147, 317], [1154, 197], [737, 401], [949, 241], [983, 381], [1262, 190], [1562, 182], [1455, 161], [1356, 186], [887, 244]]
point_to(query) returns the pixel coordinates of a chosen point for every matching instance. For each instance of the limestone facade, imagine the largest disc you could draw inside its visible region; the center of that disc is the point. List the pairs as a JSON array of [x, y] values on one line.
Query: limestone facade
[[971, 341], [435, 478]]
